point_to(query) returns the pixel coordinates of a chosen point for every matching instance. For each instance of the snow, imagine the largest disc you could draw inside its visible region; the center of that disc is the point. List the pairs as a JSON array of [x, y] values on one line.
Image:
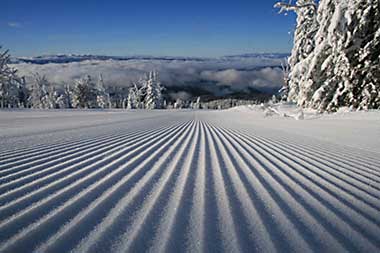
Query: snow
[[238, 180], [335, 57]]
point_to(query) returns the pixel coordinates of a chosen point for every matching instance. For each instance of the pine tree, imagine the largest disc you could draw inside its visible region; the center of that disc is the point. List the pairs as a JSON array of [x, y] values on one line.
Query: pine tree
[[39, 94], [22, 93], [61, 102], [133, 99], [67, 97], [17, 93], [321, 80], [102, 97], [284, 91], [84, 93], [142, 83], [153, 98], [51, 97], [362, 47], [197, 104], [179, 104], [343, 68], [347, 59], [304, 44], [9, 82]]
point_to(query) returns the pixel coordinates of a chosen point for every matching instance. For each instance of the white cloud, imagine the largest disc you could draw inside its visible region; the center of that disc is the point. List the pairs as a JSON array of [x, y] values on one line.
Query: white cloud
[[261, 78], [225, 77], [180, 95], [238, 74], [14, 24], [267, 78]]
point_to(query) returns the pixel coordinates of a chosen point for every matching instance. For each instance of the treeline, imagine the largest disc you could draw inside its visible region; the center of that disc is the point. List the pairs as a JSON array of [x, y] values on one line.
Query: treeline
[[91, 93], [221, 104], [83, 93]]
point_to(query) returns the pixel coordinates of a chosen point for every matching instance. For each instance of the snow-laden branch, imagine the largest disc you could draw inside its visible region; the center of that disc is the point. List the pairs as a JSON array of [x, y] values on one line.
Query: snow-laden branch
[[285, 7]]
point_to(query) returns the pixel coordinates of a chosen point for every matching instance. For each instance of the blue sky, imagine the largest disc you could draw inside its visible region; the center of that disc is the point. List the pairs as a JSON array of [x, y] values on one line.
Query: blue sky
[[122, 27]]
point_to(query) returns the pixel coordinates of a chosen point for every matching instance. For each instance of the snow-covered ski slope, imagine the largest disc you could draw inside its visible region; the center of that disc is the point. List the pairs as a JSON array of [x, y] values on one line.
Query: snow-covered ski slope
[[188, 181]]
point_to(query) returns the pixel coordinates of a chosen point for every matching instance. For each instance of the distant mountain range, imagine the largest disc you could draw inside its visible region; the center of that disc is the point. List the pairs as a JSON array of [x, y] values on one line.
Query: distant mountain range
[[69, 58]]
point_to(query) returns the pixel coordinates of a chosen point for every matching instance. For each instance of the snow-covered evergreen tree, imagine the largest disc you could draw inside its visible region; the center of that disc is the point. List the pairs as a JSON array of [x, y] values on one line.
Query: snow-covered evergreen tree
[[9, 82], [343, 67], [39, 97], [153, 97], [321, 80], [179, 104], [67, 97], [84, 93], [61, 102], [284, 91], [360, 52], [304, 44], [133, 99], [51, 98], [197, 104], [142, 83], [118, 96], [102, 97], [22, 93]]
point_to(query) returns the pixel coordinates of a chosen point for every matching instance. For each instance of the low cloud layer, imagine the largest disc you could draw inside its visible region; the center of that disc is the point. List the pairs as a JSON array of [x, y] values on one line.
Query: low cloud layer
[[265, 78], [237, 73]]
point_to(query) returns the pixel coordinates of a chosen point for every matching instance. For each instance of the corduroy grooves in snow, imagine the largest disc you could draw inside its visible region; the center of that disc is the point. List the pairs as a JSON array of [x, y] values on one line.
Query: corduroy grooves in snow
[[188, 181]]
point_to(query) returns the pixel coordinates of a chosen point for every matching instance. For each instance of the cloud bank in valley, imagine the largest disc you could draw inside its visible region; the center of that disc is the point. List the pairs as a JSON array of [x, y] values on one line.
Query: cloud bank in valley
[[237, 73]]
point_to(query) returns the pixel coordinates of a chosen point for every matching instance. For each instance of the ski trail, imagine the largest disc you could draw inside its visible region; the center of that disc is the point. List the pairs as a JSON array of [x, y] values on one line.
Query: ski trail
[[326, 167], [353, 166], [324, 203], [369, 163], [39, 208], [185, 181], [36, 173], [306, 219], [173, 212], [268, 235], [227, 225], [193, 239], [48, 155], [134, 238], [116, 208], [370, 202], [86, 166], [85, 193]]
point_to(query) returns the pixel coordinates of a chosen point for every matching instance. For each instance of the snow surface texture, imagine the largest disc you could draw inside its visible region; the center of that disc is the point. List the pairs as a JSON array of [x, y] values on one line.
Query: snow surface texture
[[176, 181]]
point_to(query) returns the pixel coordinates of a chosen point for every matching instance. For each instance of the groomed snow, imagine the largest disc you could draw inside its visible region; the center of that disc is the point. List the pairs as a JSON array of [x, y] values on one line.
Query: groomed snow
[[176, 181]]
